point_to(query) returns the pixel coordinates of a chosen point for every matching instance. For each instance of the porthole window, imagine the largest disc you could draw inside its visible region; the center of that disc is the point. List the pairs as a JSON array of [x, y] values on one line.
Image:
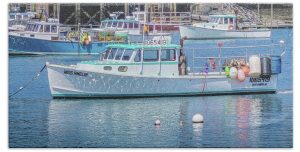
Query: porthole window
[[107, 68], [122, 68]]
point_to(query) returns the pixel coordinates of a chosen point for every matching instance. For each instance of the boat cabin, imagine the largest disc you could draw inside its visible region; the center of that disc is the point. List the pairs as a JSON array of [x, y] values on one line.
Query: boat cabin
[[221, 22], [42, 27], [21, 16], [120, 24], [41, 30], [136, 59]]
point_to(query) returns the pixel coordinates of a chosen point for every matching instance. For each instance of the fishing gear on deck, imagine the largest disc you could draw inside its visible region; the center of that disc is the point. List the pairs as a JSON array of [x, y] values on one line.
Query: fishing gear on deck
[[34, 78]]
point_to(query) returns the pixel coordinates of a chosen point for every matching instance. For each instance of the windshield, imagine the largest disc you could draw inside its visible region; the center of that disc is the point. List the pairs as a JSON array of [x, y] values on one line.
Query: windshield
[[109, 24], [103, 24], [112, 53], [120, 24]]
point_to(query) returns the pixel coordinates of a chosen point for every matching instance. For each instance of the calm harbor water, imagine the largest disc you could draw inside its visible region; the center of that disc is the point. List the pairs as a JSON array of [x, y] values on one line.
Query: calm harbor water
[[257, 120]]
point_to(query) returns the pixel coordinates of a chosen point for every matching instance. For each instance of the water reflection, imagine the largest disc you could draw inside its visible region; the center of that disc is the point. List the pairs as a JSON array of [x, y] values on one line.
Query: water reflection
[[230, 121]]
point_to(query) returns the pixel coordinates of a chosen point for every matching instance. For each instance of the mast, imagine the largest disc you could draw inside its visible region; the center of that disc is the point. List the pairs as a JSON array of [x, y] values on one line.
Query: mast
[[271, 15], [160, 39], [143, 43]]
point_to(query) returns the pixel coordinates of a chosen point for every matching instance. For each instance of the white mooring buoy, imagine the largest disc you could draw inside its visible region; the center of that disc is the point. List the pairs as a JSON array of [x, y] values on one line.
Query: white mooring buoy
[[157, 122], [197, 118]]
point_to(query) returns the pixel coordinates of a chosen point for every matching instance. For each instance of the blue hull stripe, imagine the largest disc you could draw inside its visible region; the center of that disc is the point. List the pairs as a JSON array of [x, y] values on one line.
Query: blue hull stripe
[[32, 45]]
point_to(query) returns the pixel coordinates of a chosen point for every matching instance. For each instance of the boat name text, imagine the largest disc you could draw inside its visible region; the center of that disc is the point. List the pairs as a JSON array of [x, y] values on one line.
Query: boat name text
[[70, 72]]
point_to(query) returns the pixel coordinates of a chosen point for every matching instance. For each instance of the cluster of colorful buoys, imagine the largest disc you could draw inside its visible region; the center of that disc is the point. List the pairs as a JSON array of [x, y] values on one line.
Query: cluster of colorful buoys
[[237, 69]]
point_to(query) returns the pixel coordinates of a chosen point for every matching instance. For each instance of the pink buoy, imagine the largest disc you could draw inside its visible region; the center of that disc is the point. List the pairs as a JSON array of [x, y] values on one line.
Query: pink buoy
[[220, 44], [241, 75], [246, 70]]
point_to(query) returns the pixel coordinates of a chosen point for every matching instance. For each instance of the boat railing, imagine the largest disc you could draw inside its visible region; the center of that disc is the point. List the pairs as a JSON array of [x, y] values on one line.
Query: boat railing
[[171, 17], [199, 64]]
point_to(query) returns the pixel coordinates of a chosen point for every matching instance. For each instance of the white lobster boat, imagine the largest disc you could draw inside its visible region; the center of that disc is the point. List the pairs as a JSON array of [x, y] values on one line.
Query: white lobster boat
[[132, 70], [220, 27]]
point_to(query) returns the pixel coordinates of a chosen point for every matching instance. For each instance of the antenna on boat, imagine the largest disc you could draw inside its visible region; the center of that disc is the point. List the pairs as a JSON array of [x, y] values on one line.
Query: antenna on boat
[[142, 51], [160, 39]]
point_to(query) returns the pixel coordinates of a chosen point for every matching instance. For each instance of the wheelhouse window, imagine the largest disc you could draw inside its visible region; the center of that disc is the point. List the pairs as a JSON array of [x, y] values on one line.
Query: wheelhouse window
[[41, 28], [103, 24], [230, 20], [120, 24], [105, 55], [119, 54], [114, 24], [27, 27], [225, 20], [53, 29], [221, 21], [19, 17], [137, 57], [150, 55], [47, 28], [168, 55], [131, 25], [25, 17], [31, 27], [126, 55], [125, 25], [112, 53], [11, 16], [136, 25], [109, 24], [36, 28]]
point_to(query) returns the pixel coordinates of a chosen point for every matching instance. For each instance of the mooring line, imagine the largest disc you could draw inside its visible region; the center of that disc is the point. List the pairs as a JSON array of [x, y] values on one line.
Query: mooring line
[[34, 78]]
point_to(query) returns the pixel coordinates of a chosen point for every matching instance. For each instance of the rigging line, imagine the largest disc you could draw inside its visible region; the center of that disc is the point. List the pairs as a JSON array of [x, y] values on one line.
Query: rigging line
[[34, 78]]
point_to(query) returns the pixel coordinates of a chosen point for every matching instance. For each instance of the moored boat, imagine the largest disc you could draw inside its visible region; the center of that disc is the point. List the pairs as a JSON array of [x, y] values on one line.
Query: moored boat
[[17, 21], [220, 27], [165, 21], [132, 70], [42, 37]]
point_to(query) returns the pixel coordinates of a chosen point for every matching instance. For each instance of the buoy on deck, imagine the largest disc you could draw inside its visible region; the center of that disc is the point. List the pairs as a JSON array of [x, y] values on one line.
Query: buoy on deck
[[197, 118], [241, 75], [233, 73], [157, 122]]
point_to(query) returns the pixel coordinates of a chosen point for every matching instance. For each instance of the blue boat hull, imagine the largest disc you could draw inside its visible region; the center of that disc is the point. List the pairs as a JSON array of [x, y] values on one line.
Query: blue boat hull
[[21, 45]]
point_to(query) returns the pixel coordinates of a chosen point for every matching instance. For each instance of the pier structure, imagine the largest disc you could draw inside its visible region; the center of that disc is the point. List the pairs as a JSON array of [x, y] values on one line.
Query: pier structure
[[258, 15]]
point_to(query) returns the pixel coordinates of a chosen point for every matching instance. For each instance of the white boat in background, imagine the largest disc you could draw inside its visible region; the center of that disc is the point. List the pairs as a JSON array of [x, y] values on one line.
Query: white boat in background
[[165, 21], [156, 38], [132, 70], [17, 21], [220, 27]]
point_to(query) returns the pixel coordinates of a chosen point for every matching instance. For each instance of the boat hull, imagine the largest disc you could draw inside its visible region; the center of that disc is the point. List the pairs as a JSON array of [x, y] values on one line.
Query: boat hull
[[190, 32], [23, 45], [67, 81]]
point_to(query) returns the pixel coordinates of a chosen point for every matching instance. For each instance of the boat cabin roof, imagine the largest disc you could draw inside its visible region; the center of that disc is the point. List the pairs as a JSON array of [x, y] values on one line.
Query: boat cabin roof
[[43, 23], [140, 46], [223, 16], [119, 20]]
